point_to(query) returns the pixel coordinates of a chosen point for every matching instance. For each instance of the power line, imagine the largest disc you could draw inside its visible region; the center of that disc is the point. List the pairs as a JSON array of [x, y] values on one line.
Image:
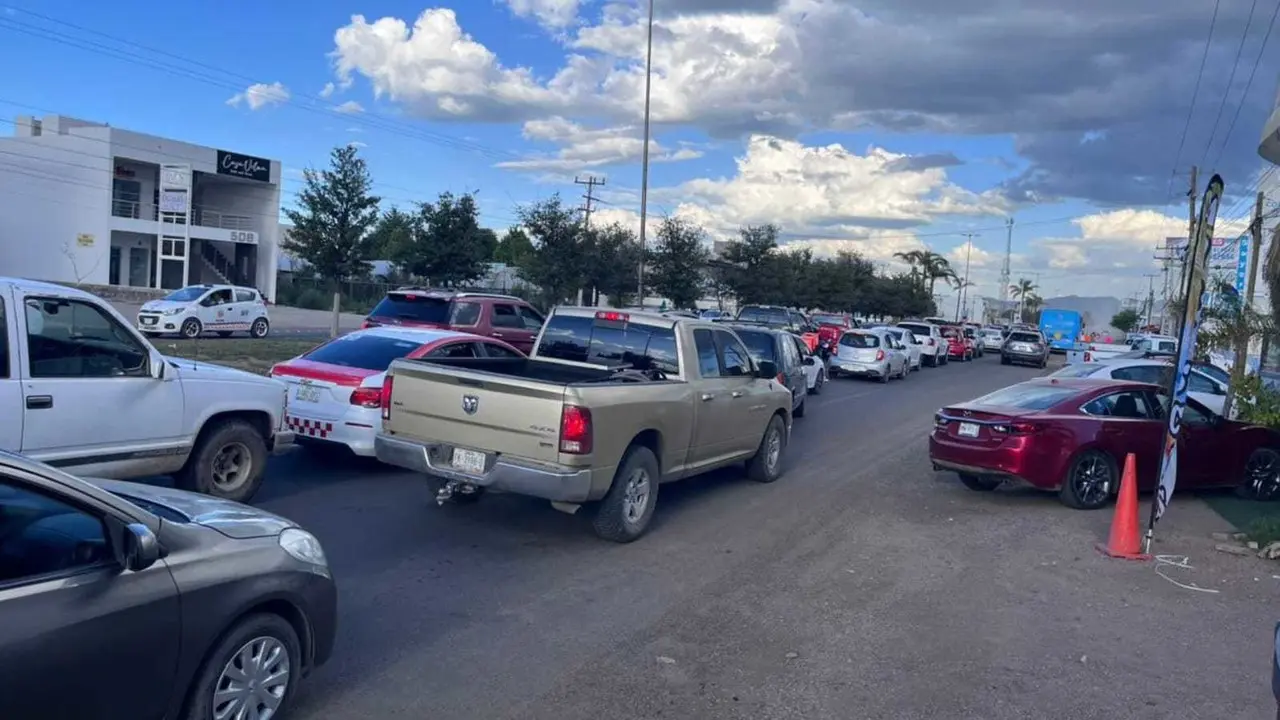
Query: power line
[[591, 182], [1245, 95], [1195, 93], [1226, 90]]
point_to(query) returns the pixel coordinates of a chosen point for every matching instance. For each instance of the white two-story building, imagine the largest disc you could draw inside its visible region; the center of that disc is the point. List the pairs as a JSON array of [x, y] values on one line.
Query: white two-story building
[[87, 203]]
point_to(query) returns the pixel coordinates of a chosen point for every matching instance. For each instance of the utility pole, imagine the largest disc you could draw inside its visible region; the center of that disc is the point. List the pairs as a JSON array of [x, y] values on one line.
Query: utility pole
[[1151, 298], [1004, 269], [644, 172], [964, 284], [1246, 303], [1191, 228], [591, 182]]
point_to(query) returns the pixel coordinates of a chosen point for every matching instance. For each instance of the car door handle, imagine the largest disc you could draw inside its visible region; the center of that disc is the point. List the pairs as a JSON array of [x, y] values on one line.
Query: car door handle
[[708, 397], [737, 393], [497, 334], [39, 402]]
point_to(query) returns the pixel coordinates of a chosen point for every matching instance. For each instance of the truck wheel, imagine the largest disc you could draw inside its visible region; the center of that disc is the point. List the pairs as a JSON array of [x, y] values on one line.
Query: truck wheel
[[261, 652], [228, 462], [766, 465], [624, 514], [191, 328]]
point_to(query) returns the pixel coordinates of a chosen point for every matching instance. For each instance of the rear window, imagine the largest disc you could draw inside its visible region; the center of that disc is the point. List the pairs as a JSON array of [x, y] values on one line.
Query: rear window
[[1024, 337], [583, 339], [1077, 370], [405, 306], [367, 352], [1165, 346], [916, 329], [1027, 396], [772, 316], [828, 320], [760, 345], [860, 340]]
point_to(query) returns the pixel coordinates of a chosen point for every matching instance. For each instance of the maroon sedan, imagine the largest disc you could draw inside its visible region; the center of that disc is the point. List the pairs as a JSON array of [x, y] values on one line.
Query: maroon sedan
[[1071, 435]]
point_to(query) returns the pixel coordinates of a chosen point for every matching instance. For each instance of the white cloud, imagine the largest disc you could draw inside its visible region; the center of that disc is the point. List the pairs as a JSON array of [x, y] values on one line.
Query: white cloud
[[350, 107], [552, 14], [328, 90], [260, 95], [357, 144], [584, 148]]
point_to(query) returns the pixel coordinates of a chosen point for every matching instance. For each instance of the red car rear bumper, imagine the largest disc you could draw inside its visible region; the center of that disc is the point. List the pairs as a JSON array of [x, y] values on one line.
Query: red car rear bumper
[[1014, 459]]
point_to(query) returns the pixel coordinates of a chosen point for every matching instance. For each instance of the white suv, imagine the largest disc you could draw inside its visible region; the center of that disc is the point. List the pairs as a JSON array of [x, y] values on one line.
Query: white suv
[[197, 309], [933, 347]]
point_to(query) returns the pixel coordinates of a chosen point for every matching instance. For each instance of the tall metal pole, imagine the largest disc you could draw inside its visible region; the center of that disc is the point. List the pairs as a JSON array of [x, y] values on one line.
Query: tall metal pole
[[644, 172], [1004, 269], [964, 284]]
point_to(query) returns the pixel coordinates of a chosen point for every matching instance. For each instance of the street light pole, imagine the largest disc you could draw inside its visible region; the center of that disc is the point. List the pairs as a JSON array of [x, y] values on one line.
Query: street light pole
[[964, 285], [644, 172]]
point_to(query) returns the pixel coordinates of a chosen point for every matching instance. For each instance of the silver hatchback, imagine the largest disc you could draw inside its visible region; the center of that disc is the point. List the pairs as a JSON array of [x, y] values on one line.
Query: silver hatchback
[[873, 353]]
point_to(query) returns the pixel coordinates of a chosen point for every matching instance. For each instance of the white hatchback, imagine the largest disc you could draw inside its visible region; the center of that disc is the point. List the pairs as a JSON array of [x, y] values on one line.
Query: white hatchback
[[198, 309]]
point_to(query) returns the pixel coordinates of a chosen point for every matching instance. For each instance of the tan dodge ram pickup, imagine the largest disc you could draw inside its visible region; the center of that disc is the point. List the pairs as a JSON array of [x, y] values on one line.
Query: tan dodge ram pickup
[[609, 406]]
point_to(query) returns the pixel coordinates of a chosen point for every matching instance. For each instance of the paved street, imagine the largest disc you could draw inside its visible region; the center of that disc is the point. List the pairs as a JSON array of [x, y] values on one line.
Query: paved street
[[861, 585]]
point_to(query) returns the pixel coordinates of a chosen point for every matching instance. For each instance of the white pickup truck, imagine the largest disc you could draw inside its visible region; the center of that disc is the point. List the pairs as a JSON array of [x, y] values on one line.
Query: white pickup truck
[[82, 390]]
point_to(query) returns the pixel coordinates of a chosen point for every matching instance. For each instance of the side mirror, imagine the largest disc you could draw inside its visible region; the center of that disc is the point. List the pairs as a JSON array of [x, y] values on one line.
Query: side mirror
[[141, 547], [158, 365], [766, 370]]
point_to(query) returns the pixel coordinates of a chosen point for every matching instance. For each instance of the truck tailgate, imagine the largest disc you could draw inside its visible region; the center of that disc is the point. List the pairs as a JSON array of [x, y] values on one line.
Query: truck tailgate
[[479, 410]]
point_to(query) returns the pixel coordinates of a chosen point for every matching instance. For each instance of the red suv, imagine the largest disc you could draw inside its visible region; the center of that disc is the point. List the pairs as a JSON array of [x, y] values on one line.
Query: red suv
[[505, 317], [958, 346]]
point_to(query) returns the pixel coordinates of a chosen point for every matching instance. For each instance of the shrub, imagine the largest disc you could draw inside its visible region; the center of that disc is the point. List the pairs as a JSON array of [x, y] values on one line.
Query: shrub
[[1257, 403]]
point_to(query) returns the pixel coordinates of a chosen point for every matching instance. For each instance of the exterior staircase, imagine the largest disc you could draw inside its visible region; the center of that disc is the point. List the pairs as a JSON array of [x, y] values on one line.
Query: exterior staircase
[[219, 265]]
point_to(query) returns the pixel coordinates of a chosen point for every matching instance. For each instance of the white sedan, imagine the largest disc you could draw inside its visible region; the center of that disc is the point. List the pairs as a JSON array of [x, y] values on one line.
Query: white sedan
[[913, 347], [335, 390], [1202, 386], [197, 309]]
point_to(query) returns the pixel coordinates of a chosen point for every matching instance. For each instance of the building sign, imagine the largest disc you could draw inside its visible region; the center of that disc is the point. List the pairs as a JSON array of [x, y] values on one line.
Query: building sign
[[173, 201], [244, 166], [84, 240], [244, 236]]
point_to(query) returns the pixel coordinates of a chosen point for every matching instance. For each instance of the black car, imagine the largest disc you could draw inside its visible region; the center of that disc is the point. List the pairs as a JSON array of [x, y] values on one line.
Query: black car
[[779, 348], [1025, 347], [122, 600], [775, 317]]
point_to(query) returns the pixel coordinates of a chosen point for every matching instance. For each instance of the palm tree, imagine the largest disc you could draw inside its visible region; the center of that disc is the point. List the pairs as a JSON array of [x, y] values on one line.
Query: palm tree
[[934, 268], [915, 259], [1023, 292]]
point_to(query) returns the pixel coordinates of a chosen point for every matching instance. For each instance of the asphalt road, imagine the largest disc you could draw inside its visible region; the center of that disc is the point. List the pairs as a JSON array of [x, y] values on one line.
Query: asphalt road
[[860, 585]]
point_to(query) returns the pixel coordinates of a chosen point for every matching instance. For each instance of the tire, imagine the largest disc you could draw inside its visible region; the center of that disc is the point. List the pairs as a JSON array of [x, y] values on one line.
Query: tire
[[1261, 483], [1072, 495], [817, 383], [622, 516], [224, 333], [259, 328], [191, 328], [199, 474], [980, 483], [766, 465], [254, 630]]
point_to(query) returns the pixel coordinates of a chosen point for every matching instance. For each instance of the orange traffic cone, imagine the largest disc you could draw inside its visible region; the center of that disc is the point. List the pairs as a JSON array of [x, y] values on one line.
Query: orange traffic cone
[[1126, 541]]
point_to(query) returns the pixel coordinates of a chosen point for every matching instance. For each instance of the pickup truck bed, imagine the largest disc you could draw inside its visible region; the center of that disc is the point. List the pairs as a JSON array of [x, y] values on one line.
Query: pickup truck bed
[[534, 369]]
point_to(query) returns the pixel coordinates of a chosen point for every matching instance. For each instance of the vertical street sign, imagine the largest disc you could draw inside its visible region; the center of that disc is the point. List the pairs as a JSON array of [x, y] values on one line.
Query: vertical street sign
[[1197, 263]]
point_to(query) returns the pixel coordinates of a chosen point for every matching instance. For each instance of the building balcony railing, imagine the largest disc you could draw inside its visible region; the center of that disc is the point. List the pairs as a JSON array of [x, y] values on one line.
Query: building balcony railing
[[203, 217]]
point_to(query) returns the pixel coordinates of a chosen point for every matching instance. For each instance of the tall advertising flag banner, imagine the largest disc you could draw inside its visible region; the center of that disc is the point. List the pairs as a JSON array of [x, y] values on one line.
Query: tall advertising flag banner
[[1198, 264]]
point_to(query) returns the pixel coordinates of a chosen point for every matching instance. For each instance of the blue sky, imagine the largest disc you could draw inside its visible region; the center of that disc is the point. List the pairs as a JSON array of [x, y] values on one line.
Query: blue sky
[[967, 144]]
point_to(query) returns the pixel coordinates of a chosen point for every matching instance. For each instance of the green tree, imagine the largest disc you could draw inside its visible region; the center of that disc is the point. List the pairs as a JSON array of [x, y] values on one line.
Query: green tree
[[749, 264], [514, 248], [612, 265], [447, 246], [334, 217], [677, 261], [1125, 320], [557, 263], [393, 231]]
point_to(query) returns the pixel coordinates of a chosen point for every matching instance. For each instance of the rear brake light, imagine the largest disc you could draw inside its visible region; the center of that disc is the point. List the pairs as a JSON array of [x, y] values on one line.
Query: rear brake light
[[612, 316], [879, 355], [384, 398], [367, 397], [1020, 427], [782, 379], [939, 420], [368, 324], [575, 430]]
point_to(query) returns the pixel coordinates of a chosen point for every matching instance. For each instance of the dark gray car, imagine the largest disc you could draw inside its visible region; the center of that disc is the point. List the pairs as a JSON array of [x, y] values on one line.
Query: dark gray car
[[1025, 347], [778, 347], [122, 600]]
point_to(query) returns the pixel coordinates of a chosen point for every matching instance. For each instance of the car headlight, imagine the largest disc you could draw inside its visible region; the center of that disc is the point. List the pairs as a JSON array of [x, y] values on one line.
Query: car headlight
[[175, 311], [303, 546]]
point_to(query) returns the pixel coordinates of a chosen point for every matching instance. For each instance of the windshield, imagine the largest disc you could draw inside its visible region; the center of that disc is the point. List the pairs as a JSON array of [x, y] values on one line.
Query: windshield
[[584, 339], [416, 308], [828, 320], [759, 344], [1214, 372], [1027, 396], [190, 293], [860, 340], [367, 352], [771, 316]]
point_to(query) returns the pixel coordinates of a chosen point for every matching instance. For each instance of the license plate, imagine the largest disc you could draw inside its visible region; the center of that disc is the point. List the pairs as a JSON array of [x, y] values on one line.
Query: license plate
[[306, 393], [468, 461], [968, 430], [148, 321]]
